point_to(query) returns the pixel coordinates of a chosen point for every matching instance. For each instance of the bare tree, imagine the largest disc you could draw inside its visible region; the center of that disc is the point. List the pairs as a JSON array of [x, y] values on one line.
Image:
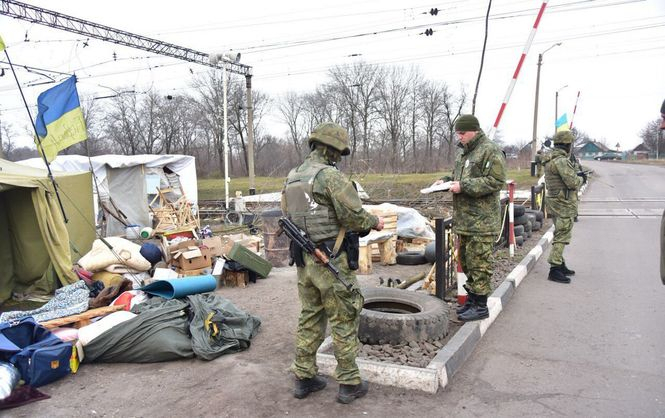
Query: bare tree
[[452, 109], [653, 137], [432, 102], [291, 108], [392, 94]]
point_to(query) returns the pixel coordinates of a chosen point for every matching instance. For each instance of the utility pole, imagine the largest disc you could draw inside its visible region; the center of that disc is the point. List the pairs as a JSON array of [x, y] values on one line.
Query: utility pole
[[534, 140]]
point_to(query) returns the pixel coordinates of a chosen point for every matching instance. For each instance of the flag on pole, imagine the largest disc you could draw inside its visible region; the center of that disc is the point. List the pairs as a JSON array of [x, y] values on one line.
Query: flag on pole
[[2, 44], [562, 123], [60, 122]]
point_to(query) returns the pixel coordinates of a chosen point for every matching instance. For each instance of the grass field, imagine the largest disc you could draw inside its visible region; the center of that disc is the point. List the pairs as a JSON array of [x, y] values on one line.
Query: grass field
[[378, 186]]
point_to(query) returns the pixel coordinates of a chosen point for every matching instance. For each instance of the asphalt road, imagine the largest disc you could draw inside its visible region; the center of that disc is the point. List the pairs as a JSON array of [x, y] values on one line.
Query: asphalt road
[[595, 347]]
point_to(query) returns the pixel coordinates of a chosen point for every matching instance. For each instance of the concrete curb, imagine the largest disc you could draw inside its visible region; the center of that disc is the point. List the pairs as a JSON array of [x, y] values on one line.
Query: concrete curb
[[452, 356]]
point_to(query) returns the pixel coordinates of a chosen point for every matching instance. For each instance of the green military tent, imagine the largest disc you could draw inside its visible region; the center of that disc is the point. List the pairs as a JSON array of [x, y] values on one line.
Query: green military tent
[[37, 247]]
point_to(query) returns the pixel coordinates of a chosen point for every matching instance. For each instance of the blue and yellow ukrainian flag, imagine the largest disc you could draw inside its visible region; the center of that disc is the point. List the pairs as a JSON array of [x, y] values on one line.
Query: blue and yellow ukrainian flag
[[562, 123], [60, 122]]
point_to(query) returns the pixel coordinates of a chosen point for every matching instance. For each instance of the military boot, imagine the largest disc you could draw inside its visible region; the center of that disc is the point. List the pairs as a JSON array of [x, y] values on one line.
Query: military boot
[[306, 386], [467, 305], [566, 271], [477, 311], [557, 275], [349, 393]]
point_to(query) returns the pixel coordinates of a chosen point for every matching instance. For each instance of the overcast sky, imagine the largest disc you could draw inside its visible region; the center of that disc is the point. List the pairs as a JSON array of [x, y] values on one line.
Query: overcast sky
[[612, 52]]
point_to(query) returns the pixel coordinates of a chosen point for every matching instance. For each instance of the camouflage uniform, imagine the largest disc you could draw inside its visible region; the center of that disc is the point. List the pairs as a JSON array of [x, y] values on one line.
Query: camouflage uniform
[[562, 185], [322, 297], [481, 170]]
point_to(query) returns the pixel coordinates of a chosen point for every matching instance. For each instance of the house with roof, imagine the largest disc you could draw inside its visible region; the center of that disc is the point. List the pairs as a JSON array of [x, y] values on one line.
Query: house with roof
[[590, 149], [641, 152]]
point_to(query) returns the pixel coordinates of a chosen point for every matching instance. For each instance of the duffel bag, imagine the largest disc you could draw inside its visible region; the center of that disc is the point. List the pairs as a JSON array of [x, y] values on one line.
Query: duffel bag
[[40, 356]]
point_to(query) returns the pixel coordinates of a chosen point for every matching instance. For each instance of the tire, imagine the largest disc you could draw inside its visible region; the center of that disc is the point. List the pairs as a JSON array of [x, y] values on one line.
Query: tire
[[519, 230], [518, 210], [430, 253], [519, 240], [536, 226], [393, 316], [521, 220], [539, 214], [527, 229], [411, 258]]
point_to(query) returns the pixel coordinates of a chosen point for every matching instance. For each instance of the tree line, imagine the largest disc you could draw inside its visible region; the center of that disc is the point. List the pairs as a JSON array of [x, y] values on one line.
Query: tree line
[[398, 121]]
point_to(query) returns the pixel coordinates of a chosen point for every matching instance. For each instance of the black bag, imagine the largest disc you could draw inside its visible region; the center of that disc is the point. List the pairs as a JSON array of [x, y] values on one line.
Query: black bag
[[40, 356]]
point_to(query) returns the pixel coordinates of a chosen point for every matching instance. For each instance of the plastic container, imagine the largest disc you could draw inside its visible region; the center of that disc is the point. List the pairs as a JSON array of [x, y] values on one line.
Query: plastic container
[[146, 232], [133, 231]]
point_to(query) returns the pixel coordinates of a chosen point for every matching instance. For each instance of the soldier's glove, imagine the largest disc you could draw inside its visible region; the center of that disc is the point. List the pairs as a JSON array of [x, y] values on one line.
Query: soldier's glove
[[583, 175]]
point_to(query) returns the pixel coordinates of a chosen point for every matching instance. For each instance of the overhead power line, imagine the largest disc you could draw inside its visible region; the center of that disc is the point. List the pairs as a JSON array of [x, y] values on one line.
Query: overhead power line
[[105, 33]]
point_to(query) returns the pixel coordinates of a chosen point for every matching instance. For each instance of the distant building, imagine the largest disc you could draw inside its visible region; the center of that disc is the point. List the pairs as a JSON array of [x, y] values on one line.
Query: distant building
[[641, 152], [591, 149]]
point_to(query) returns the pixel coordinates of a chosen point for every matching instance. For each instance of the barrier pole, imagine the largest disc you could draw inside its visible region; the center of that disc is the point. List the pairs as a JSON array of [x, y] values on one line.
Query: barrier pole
[[461, 278], [577, 99], [529, 41]]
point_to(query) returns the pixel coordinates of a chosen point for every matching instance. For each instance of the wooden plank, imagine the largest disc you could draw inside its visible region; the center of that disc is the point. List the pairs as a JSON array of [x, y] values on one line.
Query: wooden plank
[[83, 318], [364, 260]]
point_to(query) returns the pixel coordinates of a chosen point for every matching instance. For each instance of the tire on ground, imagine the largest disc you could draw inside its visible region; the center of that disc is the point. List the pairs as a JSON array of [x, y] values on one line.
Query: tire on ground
[[536, 226], [430, 253], [518, 210], [521, 220], [519, 240], [411, 258], [394, 316], [539, 214], [528, 228], [519, 230]]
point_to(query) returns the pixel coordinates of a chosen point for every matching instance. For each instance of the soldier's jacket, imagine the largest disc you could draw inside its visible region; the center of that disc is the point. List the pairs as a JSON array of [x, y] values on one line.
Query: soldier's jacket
[[562, 183], [333, 190], [481, 170]]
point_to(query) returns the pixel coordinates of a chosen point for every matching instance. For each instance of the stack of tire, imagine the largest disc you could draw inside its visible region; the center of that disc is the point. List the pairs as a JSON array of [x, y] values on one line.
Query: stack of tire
[[526, 221]]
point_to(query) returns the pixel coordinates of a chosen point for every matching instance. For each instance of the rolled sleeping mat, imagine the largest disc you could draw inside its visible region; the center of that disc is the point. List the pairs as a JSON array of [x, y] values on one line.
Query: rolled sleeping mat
[[177, 288]]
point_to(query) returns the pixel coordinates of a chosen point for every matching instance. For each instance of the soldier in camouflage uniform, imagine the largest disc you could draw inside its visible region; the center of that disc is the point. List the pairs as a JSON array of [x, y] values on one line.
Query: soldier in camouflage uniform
[[562, 182], [322, 201], [478, 177]]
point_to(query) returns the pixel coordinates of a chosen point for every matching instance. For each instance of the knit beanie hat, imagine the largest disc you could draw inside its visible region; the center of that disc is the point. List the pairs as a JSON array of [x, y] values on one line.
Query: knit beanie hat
[[466, 123]]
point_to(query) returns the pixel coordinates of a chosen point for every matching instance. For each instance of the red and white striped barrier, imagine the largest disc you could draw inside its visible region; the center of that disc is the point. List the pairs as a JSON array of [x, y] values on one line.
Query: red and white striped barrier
[[461, 279], [529, 41], [574, 110]]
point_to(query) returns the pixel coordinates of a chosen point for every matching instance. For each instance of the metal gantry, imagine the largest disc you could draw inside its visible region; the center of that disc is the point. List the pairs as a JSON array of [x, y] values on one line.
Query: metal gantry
[[83, 27]]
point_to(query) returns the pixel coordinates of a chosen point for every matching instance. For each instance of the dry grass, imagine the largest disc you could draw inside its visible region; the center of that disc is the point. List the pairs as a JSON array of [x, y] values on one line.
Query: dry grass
[[378, 186]]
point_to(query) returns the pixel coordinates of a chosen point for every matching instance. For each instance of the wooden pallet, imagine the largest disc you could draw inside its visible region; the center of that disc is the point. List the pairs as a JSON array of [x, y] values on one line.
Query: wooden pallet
[[82, 319]]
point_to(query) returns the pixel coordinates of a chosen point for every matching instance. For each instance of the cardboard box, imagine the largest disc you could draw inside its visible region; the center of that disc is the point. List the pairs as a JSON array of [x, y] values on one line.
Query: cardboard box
[[215, 245], [191, 257]]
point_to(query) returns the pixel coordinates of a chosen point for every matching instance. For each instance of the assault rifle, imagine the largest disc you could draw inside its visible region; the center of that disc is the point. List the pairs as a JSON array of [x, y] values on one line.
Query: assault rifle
[[299, 237]]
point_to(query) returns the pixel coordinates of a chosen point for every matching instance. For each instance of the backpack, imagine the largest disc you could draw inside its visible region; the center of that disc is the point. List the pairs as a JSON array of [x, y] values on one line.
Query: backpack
[[40, 356]]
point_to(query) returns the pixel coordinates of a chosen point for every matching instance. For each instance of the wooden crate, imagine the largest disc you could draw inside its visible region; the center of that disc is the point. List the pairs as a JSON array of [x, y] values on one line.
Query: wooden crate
[[235, 278]]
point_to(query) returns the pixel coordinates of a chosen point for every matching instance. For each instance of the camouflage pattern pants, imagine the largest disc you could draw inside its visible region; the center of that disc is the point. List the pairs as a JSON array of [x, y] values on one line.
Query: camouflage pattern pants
[[476, 258], [563, 229], [323, 298]]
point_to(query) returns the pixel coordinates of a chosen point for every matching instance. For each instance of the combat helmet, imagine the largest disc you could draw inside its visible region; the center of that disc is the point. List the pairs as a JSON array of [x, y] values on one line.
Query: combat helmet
[[333, 135], [564, 137]]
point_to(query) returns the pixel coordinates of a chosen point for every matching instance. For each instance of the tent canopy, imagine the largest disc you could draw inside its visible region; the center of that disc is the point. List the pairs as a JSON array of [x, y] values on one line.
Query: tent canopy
[[36, 246], [128, 182]]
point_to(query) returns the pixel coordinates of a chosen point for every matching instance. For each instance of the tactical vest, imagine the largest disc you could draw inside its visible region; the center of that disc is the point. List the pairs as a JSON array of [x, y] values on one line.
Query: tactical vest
[[320, 223], [553, 179]]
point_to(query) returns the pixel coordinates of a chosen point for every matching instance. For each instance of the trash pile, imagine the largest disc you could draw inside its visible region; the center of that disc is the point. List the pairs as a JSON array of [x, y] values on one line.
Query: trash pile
[[136, 301]]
